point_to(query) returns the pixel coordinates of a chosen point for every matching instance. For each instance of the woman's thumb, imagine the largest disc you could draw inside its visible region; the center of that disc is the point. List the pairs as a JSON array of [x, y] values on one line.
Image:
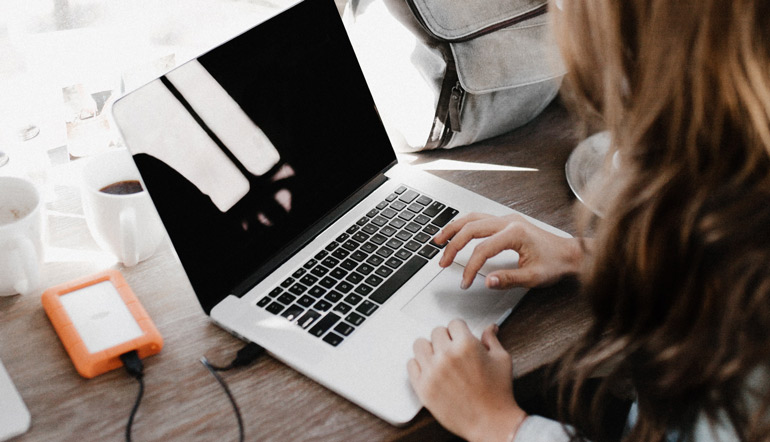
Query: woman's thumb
[[489, 338]]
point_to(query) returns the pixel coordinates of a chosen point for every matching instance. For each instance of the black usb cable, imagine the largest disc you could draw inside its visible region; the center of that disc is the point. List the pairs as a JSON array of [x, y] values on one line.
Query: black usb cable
[[245, 356], [135, 368]]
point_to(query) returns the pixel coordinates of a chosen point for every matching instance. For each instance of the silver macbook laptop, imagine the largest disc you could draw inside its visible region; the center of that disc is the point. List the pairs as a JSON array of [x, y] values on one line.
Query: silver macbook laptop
[[298, 229]]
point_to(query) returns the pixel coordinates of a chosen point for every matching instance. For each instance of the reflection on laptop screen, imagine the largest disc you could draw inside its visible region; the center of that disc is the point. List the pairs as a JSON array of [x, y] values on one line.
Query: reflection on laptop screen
[[247, 146]]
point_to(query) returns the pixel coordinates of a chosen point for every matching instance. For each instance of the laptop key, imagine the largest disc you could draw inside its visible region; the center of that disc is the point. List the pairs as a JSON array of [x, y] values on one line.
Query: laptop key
[[434, 209], [298, 289], [360, 236], [382, 205], [369, 247], [354, 278], [333, 339], [404, 235], [428, 251], [408, 196], [394, 263], [367, 308], [378, 239], [352, 229], [400, 190], [321, 255], [355, 319], [349, 264], [299, 272], [414, 207], [310, 264], [344, 328], [322, 305], [375, 260], [286, 298], [363, 290], [373, 280], [424, 200], [444, 217], [422, 237], [385, 251], [430, 229], [365, 269], [319, 270], [333, 296], [372, 213], [413, 227], [342, 308], [344, 287], [330, 262], [340, 253], [397, 206], [358, 255], [264, 301], [308, 280], [316, 292], [379, 221], [353, 299], [328, 282], [306, 301], [287, 282], [421, 219], [386, 290], [274, 308], [384, 271], [323, 325], [275, 292], [338, 273], [308, 318], [403, 254], [370, 228], [332, 245], [293, 312], [397, 223]]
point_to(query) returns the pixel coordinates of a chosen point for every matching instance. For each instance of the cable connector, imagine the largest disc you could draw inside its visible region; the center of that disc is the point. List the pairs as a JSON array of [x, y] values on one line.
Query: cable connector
[[245, 356], [133, 364]]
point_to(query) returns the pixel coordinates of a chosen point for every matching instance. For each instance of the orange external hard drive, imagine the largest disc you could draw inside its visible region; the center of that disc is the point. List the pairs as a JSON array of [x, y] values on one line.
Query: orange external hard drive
[[98, 318]]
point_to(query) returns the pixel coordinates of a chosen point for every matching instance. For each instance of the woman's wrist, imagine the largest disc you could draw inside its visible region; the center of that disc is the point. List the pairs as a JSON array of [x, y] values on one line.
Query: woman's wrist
[[500, 426]]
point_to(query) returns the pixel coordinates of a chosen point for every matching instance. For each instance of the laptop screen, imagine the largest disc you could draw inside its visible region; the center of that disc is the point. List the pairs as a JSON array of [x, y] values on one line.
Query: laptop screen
[[246, 147]]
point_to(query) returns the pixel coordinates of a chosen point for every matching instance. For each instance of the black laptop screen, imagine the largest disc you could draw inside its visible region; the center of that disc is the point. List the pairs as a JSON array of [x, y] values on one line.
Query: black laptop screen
[[246, 147]]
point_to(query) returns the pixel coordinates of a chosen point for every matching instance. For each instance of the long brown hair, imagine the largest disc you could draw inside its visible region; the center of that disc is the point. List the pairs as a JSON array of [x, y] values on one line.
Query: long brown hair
[[679, 276]]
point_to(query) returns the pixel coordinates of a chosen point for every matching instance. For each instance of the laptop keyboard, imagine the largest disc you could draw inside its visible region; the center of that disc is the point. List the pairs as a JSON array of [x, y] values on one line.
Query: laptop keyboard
[[346, 282]]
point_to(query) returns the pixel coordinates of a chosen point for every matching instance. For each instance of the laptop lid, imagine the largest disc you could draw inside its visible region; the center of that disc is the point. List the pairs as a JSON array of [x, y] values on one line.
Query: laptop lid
[[249, 149]]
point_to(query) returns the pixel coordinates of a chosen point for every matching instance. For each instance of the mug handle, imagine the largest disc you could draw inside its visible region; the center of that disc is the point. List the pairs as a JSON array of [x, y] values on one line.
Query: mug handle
[[26, 273], [129, 237]]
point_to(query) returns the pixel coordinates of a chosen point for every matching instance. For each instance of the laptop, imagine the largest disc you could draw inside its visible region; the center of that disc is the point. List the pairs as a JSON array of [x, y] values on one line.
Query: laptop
[[295, 223]]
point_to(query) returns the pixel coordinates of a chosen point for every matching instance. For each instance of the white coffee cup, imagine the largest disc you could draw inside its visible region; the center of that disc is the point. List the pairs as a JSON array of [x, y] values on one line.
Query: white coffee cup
[[21, 236], [126, 225]]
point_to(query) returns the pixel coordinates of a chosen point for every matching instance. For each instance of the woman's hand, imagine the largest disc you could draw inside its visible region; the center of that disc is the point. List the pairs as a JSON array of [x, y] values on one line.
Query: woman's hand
[[544, 258], [466, 383]]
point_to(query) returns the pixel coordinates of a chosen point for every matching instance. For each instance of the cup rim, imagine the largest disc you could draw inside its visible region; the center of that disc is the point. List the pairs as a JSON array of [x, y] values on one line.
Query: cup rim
[[38, 203], [93, 190]]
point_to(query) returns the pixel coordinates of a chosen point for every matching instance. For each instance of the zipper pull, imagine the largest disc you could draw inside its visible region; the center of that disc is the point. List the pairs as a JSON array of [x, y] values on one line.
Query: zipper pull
[[455, 103]]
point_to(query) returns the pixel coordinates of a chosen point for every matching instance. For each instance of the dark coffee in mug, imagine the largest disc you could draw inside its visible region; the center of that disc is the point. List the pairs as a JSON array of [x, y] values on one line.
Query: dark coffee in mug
[[123, 187]]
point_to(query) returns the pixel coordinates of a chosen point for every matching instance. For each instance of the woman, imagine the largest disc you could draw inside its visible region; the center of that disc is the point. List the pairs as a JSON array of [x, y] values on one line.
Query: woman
[[677, 276]]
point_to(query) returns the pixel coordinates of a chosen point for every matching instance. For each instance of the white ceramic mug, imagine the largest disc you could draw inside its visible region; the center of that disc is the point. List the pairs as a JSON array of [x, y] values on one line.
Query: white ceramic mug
[[21, 236], [126, 225]]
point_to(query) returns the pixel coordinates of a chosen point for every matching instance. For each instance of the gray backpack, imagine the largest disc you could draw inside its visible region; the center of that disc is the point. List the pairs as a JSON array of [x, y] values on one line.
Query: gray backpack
[[448, 73]]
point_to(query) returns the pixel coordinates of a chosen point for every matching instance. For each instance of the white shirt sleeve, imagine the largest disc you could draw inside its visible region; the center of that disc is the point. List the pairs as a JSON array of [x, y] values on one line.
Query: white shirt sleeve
[[540, 429]]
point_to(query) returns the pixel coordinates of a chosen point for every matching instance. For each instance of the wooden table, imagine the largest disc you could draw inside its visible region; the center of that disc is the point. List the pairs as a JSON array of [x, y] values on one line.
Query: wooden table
[[183, 402]]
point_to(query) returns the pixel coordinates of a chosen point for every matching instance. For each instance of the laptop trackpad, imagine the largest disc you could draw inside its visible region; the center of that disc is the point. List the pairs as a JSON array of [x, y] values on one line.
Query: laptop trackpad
[[442, 300]]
